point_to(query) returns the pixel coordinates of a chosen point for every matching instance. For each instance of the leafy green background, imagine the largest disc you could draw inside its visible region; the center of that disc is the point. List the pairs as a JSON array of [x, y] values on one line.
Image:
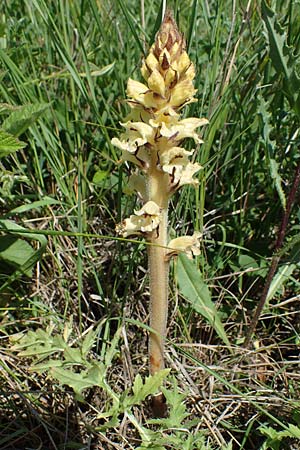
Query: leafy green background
[[74, 299]]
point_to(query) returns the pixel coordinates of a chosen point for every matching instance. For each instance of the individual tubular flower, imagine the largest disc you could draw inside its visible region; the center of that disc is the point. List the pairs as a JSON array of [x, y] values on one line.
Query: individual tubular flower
[[145, 220], [187, 244], [154, 132]]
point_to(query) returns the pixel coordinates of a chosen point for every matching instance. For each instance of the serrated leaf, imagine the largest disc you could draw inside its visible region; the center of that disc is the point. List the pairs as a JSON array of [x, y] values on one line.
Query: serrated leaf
[[79, 381], [9, 144], [196, 292], [18, 121], [141, 390], [177, 409], [283, 59], [46, 365], [270, 149], [73, 355], [276, 38], [89, 339], [112, 349], [39, 343], [278, 181], [112, 423], [276, 436]]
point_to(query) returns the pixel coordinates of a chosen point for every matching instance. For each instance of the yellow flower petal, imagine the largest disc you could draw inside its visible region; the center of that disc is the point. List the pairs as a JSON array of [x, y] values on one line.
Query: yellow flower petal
[[151, 62], [124, 145], [186, 176], [156, 83], [149, 208], [174, 160], [182, 93], [135, 88], [133, 140], [170, 76], [188, 244], [145, 220], [139, 132], [140, 93], [183, 63], [183, 129]]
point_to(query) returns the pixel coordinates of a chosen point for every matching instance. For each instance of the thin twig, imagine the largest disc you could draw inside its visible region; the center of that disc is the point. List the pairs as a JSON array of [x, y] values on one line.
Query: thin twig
[[275, 258]]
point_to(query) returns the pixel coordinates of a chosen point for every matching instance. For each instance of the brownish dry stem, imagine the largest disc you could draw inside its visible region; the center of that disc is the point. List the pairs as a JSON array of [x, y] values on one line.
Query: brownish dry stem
[[275, 259]]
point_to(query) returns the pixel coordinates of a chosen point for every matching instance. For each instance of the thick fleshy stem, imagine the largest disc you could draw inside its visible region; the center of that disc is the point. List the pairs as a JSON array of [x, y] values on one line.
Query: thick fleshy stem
[[159, 274], [158, 266]]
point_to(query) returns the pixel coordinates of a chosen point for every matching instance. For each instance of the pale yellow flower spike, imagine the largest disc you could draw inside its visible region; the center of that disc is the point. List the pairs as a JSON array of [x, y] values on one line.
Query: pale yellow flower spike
[[152, 141]]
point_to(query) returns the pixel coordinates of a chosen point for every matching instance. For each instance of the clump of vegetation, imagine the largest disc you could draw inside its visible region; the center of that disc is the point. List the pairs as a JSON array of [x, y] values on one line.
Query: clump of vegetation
[[74, 297]]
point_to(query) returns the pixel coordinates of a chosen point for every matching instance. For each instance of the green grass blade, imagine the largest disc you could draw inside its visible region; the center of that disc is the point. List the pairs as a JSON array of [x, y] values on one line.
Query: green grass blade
[[132, 25], [196, 292], [192, 22]]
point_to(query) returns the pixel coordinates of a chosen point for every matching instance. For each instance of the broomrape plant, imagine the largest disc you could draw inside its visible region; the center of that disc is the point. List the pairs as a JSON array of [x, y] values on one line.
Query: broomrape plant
[[152, 140]]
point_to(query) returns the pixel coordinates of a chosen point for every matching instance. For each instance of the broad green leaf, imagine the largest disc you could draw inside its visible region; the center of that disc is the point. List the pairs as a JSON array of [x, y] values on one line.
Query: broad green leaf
[[247, 262], [100, 176], [34, 205], [196, 292], [281, 277], [23, 118], [16, 252], [21, 252], [9, 144], [12, 227]]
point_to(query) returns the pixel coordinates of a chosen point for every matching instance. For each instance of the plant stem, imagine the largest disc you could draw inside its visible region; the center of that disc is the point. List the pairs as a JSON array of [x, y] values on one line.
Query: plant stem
[[275, 258], [159, 281], [159, 274]]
